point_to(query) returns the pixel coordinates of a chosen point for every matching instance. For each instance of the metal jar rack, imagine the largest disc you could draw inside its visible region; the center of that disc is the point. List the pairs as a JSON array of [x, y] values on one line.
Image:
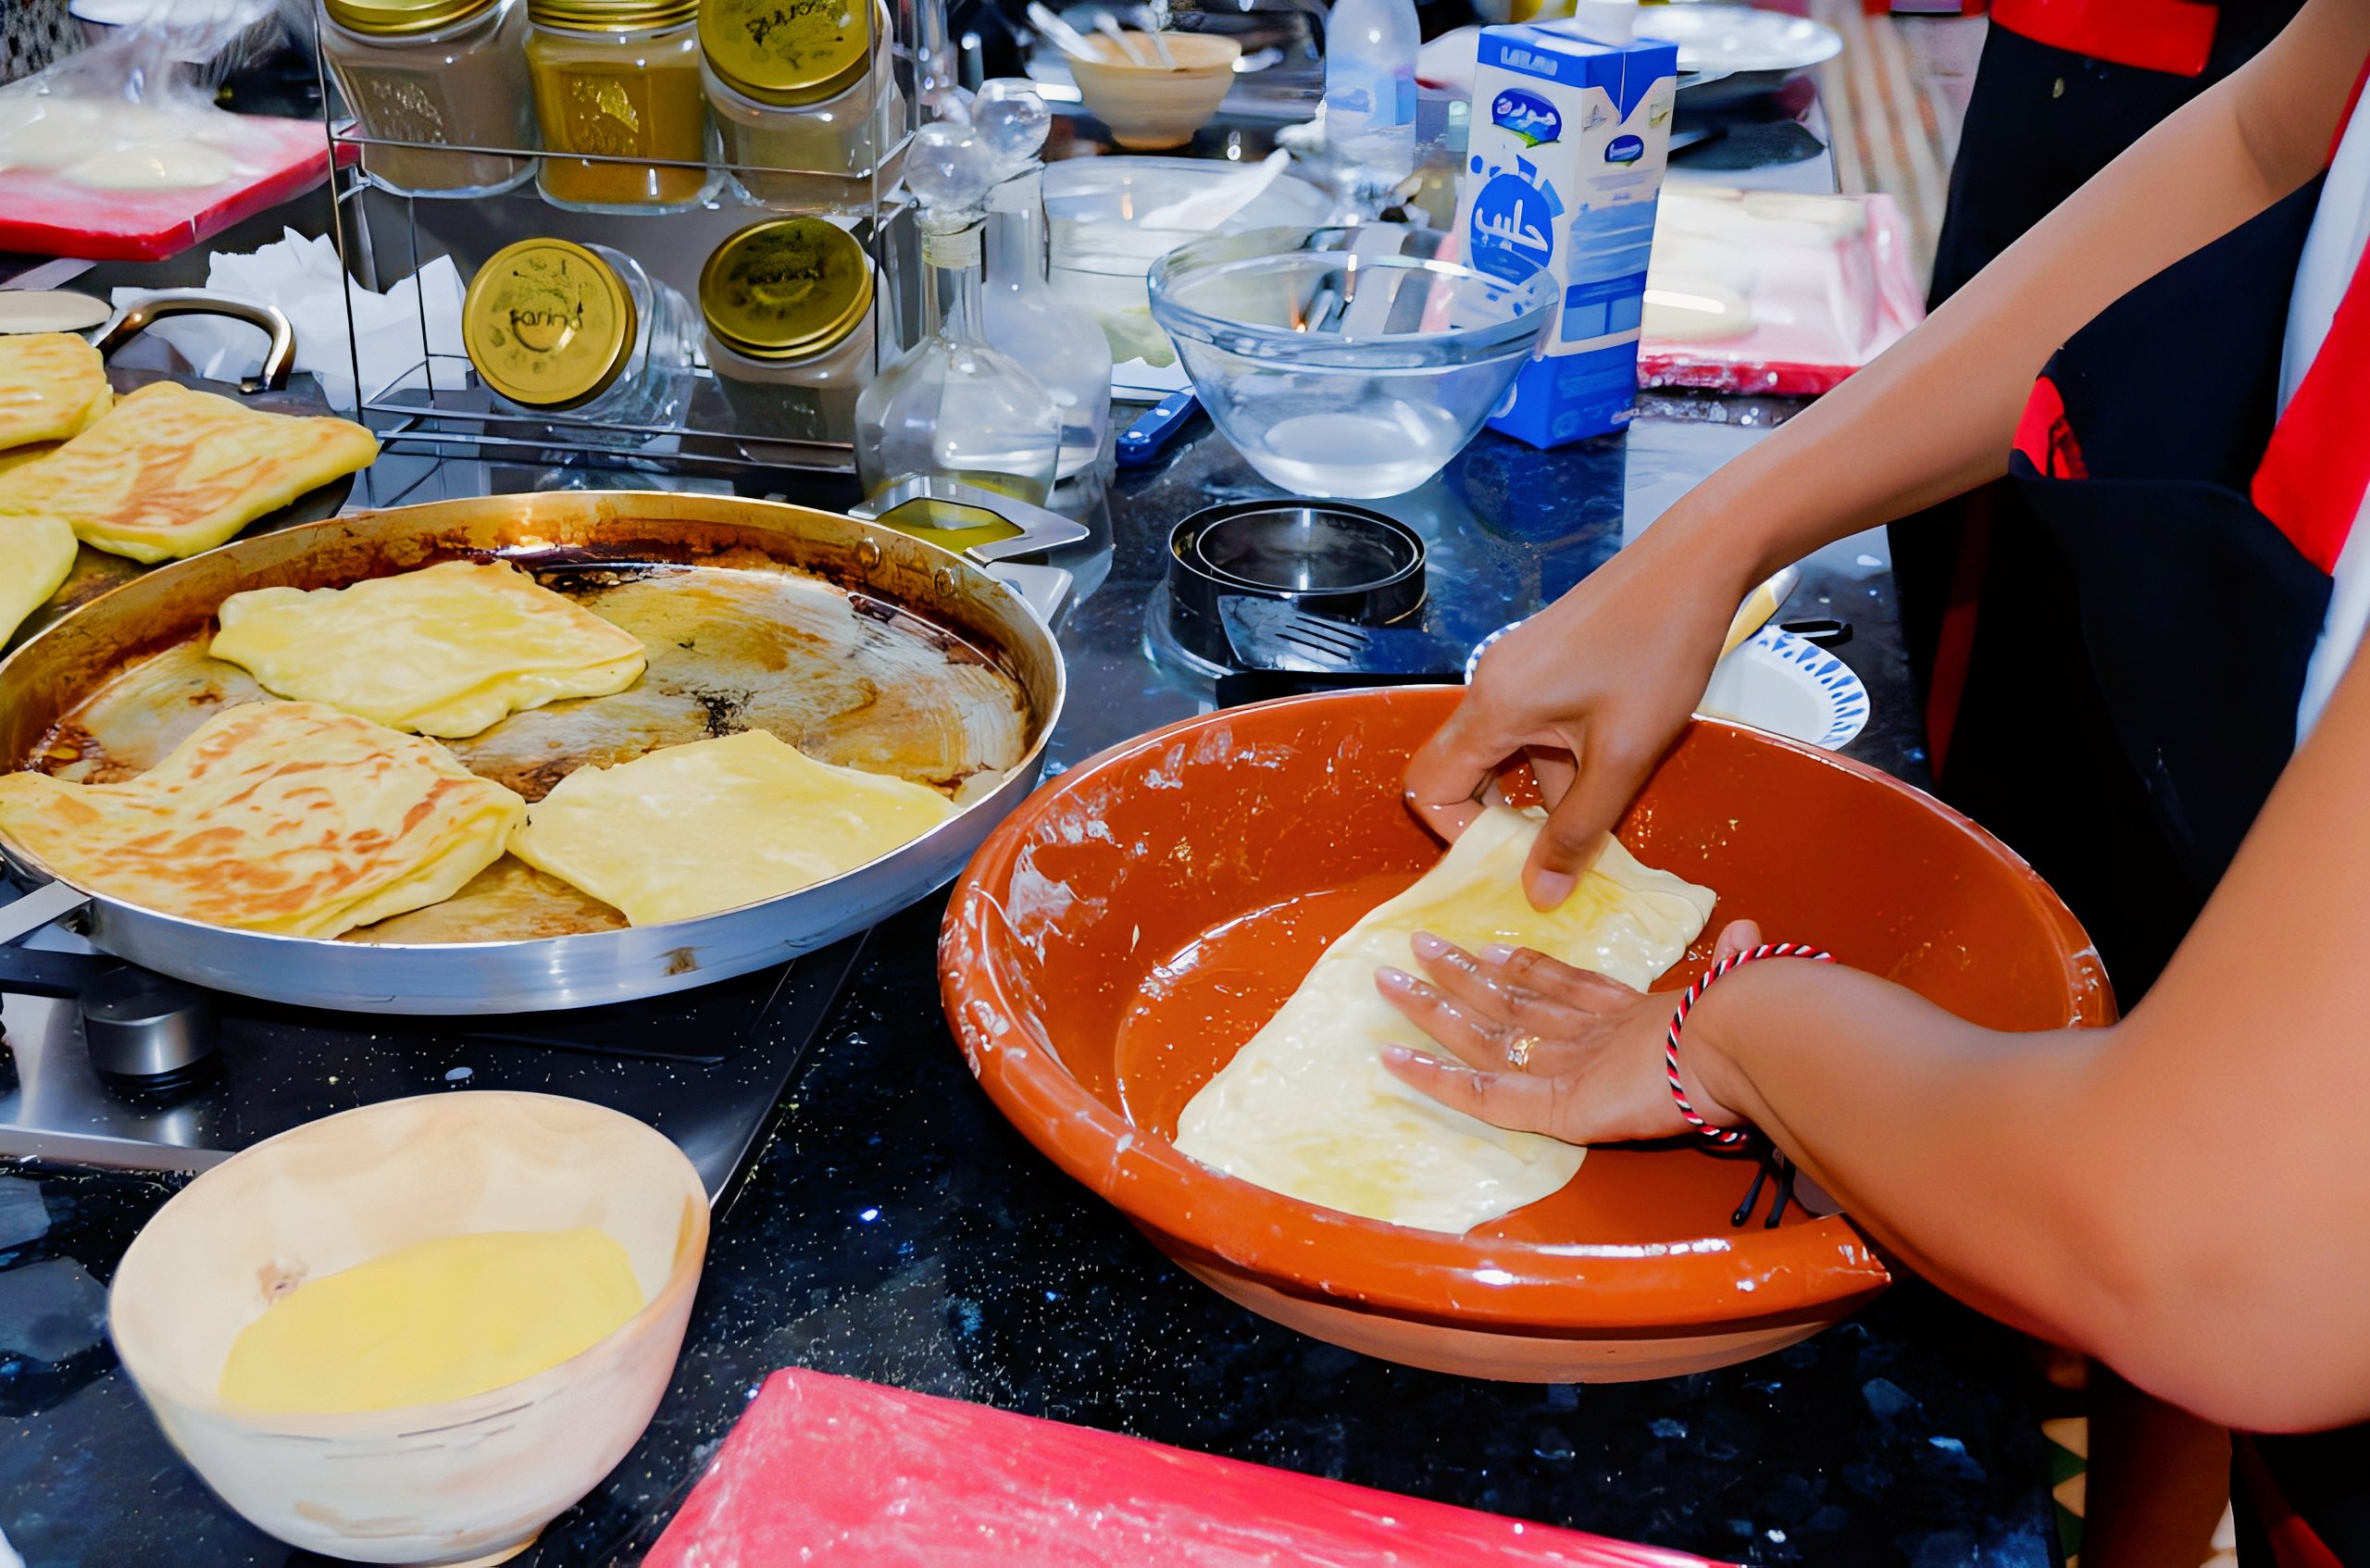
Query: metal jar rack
[[439, 407]]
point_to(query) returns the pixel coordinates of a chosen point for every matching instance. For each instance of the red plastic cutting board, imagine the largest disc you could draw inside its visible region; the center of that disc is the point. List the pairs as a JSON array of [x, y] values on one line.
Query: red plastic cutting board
[[827, 1470], [43, 215]]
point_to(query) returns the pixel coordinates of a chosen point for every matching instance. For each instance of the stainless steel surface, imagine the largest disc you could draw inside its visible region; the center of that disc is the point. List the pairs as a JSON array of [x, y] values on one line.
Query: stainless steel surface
[[281, 1068], [53, 901], [279, 357], [44, 680], [143, 1028], [1266, 634]]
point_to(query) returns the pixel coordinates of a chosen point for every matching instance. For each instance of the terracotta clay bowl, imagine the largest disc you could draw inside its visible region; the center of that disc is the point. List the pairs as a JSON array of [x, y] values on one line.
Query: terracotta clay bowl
[[1262, 833]]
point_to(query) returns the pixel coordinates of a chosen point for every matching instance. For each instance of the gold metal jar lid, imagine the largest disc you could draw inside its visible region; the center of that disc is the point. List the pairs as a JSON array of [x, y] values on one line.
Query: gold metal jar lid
[[392, 19], [789, 288], [548, 324], [787, 52], [611, 15]]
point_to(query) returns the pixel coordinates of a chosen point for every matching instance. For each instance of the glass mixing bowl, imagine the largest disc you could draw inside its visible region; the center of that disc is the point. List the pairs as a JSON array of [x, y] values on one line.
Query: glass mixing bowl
[[1347, 363]]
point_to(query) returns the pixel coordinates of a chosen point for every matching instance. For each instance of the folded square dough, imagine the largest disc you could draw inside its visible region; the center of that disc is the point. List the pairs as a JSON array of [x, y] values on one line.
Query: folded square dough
[[52, 385], [289, 817], [448, 651], [168, 472], [36, 553], [690, 830], [1306, 1107]]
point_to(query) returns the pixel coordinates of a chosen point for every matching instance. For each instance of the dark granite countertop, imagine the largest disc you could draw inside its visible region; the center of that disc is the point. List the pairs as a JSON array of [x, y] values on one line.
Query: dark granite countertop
[[894, 1227]]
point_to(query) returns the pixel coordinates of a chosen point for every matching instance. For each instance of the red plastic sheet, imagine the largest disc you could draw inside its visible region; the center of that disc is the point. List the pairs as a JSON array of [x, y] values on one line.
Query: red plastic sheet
[[41, 215], [825, 1470]]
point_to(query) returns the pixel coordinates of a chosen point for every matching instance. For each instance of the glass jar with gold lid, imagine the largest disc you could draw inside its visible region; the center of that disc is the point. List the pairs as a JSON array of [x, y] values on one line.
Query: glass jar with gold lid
[[790, 309], [619, 81], [557, 328], [807, 109], [447, 73]]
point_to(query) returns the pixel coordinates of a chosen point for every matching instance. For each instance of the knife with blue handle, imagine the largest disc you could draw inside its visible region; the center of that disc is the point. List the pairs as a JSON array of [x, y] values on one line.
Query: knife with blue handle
[[1143, 442]]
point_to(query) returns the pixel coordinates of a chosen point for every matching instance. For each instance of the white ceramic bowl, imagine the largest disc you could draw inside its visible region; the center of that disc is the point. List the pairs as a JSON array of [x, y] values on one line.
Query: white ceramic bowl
[[467, 1481]]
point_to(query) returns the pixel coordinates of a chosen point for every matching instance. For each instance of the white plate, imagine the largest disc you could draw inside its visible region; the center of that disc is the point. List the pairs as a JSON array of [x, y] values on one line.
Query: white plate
[[1789, 686], [1740, 38], [1777, 681]]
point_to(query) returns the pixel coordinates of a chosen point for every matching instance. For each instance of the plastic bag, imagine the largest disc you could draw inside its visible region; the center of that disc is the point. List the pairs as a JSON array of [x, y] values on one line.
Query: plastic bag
[[1771, 291], [131, 113]]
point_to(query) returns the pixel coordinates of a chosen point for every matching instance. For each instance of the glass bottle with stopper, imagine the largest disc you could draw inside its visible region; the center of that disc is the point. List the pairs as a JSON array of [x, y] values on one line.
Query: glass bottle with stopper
[[1061, 344], [952, 407]]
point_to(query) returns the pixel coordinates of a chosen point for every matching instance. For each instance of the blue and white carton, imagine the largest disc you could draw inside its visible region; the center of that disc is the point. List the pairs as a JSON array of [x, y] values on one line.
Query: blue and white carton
[[1569, 140]]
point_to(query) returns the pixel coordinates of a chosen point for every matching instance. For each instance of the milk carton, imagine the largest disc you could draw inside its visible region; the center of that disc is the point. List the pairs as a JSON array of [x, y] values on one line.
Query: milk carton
[[1568, 142]]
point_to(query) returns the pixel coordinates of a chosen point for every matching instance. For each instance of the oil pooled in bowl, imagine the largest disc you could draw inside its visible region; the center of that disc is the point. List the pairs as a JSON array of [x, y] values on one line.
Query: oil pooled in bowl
[[436, 1321]]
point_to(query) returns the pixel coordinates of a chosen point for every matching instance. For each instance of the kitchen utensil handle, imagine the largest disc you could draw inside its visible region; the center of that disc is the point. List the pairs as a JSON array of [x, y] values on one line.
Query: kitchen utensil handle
[[279, 359], [1043, 588], [1759, 605], [1040, 528], [52, 900], [1142, 442], [36, 971], [1826, 631]]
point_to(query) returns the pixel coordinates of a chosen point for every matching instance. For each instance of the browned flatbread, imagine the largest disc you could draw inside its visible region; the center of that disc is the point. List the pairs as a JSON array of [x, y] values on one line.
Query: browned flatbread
[[289, 817]]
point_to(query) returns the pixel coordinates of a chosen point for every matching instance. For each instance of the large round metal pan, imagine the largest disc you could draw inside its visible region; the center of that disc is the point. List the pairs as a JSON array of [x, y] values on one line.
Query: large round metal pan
[[856, 642]]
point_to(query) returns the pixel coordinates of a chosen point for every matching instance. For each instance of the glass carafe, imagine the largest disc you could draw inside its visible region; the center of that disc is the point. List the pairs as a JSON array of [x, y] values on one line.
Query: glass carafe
[[952, 407]]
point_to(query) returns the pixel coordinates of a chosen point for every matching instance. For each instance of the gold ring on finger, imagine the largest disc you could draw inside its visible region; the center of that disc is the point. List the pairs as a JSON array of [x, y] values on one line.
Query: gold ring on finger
[[1519, 1053]]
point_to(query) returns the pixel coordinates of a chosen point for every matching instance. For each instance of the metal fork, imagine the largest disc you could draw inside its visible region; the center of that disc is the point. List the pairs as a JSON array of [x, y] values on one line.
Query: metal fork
[[1269, 634]]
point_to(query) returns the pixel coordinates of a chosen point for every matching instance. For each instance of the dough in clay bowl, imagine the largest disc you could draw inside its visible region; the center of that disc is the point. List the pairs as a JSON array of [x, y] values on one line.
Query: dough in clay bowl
[[1123, 934]]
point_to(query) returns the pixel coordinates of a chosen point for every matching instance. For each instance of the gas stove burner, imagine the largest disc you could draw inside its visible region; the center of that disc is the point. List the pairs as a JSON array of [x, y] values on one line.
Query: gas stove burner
[[149, 1037], [124, 1066], [1322, 556]]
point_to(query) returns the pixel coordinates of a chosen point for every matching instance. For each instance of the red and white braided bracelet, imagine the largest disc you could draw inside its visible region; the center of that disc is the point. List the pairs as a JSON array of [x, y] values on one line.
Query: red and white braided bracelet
[[1688, 999]]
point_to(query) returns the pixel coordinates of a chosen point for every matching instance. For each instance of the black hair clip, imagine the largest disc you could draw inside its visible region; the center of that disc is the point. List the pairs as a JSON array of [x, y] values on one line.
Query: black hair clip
[[1773, 1163]]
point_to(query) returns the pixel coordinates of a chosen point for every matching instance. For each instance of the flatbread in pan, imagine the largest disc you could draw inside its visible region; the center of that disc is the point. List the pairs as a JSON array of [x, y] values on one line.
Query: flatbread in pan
[[35, 556], [289, 818], [689, 830], [448, 651]]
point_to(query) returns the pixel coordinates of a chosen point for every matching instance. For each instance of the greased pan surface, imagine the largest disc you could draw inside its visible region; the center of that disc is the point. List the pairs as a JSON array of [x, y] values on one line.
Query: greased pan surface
[[856, 644]]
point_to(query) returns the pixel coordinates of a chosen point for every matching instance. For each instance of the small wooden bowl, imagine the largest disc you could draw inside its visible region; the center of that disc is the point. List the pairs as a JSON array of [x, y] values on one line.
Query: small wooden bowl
[[465, 1482], [1120, 937], [1149, 107]]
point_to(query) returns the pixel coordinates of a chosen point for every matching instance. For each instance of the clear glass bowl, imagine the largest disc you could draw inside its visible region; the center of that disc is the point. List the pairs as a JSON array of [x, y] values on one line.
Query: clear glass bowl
[[1347, 363]]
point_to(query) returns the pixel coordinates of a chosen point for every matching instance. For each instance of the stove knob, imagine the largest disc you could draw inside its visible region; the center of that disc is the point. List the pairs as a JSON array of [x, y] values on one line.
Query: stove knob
[[148, 1034]]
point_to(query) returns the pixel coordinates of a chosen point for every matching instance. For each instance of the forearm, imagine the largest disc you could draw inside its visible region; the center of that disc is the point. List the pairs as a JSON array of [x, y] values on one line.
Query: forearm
[[1935, 416], [1945, 1141]]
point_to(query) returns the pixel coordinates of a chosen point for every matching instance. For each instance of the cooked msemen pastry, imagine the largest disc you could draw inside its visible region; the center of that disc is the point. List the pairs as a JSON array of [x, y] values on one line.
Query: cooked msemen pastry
[[168, 472], [1307, 1109], [289, 817], [689, 830], [35, 556], [448, 651], [52, 385]]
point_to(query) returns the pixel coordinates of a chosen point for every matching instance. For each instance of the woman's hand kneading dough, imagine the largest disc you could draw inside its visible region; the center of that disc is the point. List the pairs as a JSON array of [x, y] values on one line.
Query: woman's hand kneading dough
[[1546, 1048]]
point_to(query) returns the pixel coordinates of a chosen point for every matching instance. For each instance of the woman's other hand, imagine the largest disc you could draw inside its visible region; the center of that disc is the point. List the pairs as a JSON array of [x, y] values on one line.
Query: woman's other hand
[[1545, 1047], [1594, 688]]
